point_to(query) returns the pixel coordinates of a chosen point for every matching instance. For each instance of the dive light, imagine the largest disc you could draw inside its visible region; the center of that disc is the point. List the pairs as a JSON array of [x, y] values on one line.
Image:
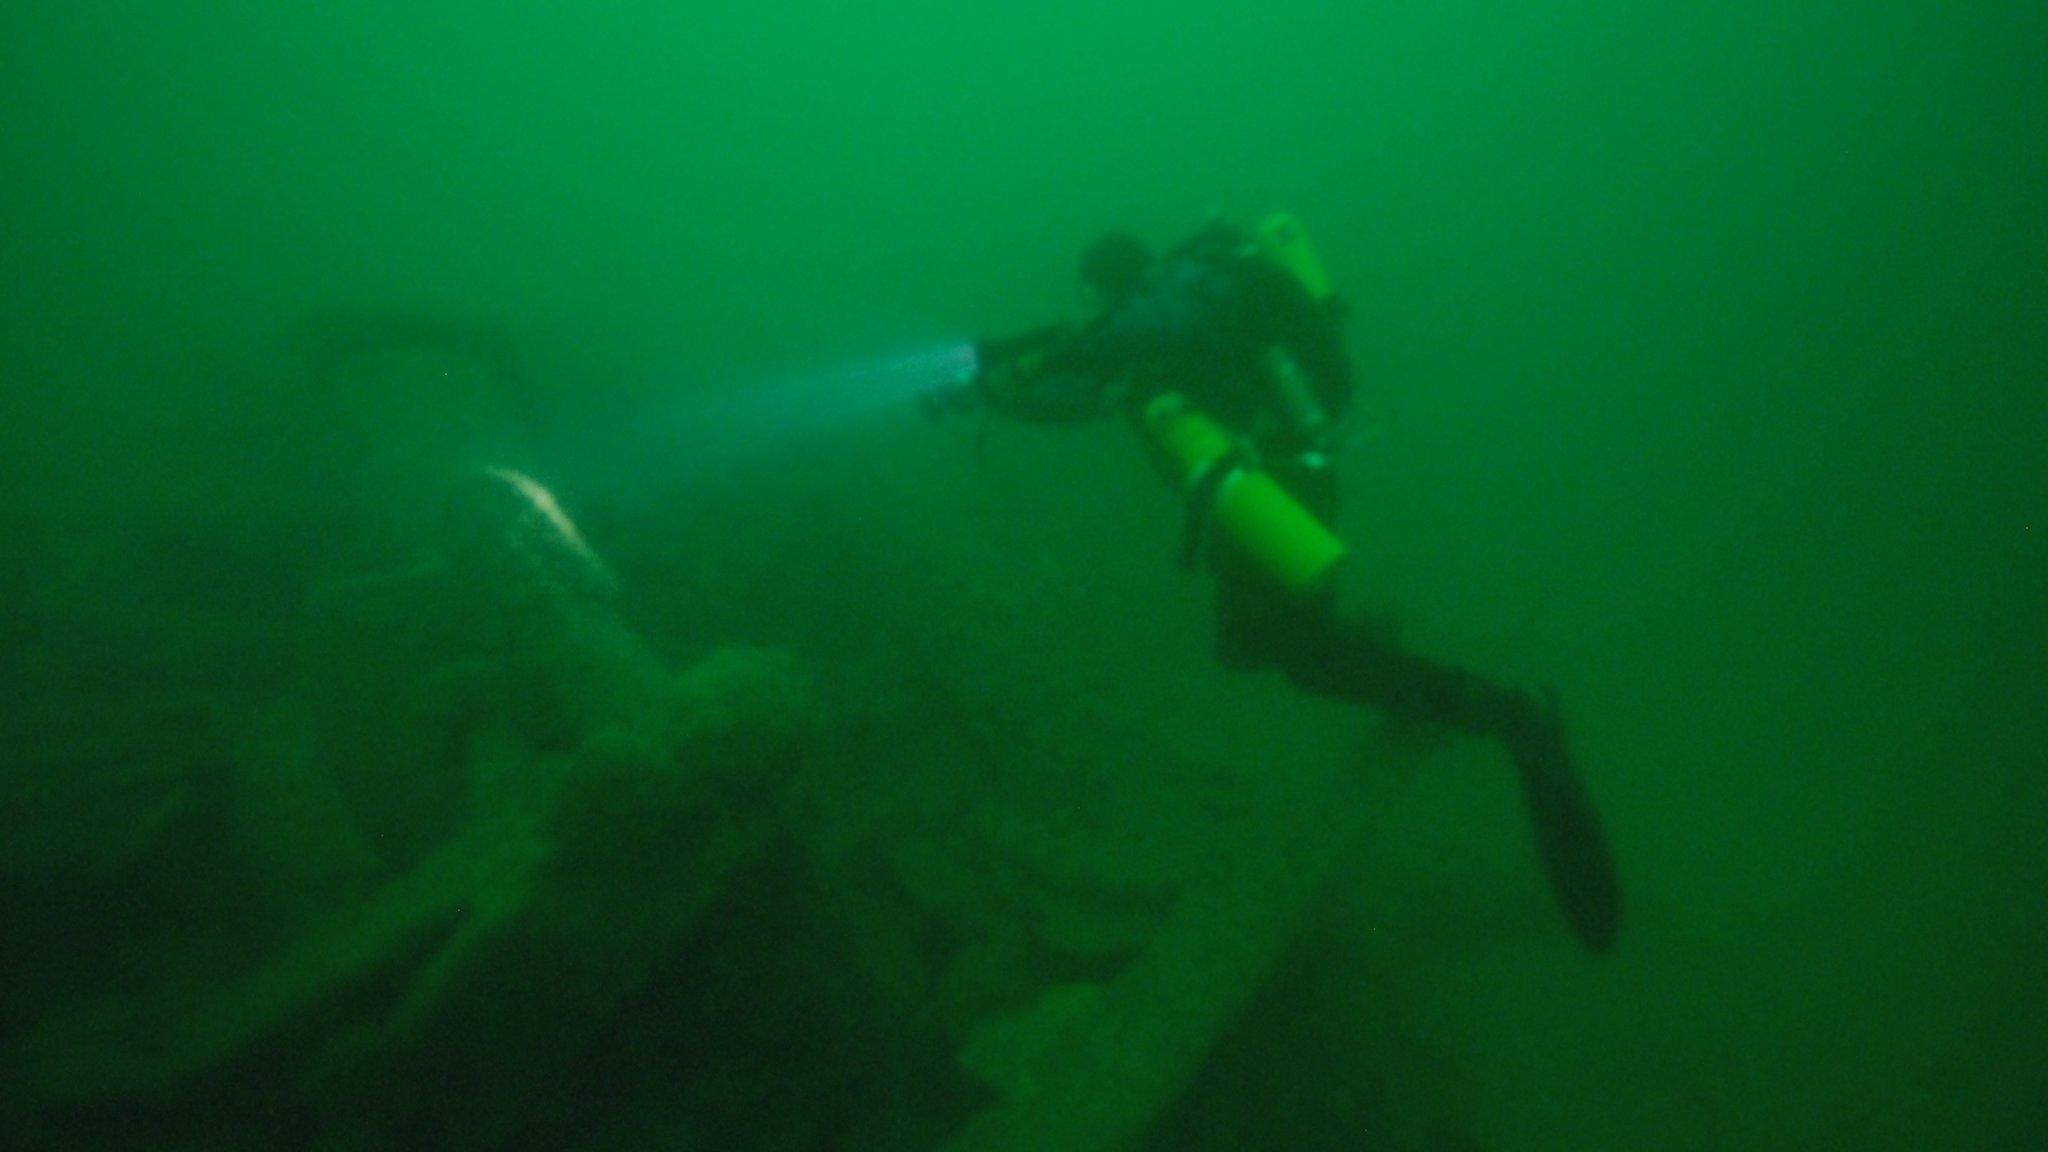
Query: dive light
[[960, 393]]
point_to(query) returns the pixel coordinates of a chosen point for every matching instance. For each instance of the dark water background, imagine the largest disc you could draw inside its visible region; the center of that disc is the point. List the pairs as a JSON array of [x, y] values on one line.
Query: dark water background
[[1707, 349]]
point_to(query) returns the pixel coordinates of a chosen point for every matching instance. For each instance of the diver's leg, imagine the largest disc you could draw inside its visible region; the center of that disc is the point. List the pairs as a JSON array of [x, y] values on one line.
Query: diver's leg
[[1363, 663]]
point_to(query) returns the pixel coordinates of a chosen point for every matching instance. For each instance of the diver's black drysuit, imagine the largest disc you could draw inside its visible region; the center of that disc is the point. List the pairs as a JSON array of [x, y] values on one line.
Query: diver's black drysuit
[[1198, 323]]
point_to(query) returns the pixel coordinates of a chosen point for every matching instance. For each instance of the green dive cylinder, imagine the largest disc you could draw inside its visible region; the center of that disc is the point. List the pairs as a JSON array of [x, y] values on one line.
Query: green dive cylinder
[[1292, 546]]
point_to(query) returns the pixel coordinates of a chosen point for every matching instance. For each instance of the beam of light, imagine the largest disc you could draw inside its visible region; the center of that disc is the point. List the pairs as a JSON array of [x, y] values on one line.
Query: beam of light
[[704, 432]]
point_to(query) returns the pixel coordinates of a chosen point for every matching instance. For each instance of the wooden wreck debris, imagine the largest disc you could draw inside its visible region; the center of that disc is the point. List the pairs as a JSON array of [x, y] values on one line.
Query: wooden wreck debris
[[1091, 1069], [641, 838], [516, 937]]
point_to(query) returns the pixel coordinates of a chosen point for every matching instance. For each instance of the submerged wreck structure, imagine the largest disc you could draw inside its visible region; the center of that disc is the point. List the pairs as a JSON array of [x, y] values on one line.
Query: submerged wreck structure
[[482, 870]]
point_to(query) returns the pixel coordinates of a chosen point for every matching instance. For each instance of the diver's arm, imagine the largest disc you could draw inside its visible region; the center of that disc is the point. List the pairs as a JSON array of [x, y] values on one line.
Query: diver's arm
[[1030, 395], [1012, 379], [992, 352], [1174, 315]]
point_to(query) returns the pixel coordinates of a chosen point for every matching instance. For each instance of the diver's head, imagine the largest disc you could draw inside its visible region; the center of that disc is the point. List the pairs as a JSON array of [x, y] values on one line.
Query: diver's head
[[1113, 267]]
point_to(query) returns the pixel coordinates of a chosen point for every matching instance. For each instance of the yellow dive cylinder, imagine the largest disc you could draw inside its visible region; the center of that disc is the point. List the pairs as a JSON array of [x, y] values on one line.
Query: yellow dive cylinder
[[1283, 240], [1290, 544]]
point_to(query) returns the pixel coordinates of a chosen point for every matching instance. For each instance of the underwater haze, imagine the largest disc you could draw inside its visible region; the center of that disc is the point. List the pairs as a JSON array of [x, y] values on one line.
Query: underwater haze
[[1703, 373]]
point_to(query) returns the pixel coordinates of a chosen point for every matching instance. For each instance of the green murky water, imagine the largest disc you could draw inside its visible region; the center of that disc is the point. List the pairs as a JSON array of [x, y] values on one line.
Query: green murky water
[[1704, 373]]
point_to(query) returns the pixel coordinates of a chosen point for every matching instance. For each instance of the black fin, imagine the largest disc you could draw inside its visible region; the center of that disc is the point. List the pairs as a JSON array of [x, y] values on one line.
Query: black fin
[[1570, 842]]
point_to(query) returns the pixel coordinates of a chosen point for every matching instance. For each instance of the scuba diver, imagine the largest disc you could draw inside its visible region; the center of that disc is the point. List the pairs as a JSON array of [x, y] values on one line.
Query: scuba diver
[[1226, 352]]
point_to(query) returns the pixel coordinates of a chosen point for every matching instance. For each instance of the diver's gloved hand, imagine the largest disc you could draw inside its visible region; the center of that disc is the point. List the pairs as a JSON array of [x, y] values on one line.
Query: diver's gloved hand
[[971, 391], [1024, 379], [1005, 384], [1002, 388]]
